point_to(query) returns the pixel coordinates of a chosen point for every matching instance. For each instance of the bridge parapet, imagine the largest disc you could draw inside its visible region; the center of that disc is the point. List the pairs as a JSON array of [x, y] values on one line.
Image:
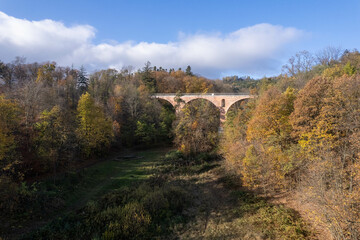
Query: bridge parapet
[[202, 94]]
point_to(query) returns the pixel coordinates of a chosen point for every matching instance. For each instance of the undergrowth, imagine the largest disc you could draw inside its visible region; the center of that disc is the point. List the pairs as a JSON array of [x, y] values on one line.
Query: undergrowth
[[157, 208]]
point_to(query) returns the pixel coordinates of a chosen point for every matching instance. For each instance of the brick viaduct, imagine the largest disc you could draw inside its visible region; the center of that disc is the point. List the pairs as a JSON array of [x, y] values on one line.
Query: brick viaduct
[[223, 101]]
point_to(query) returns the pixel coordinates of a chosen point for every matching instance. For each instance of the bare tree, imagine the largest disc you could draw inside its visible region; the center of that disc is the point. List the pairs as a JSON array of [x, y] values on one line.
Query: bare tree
[[302, 62], [329, 55]]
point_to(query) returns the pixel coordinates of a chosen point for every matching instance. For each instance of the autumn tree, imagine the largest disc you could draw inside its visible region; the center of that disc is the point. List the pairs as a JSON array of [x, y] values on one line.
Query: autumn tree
[[308, 105], [270, 123], [233, 142], [9, 123], [51, 137], [45, 74], [196, 128], [326, 122], [95, 130]]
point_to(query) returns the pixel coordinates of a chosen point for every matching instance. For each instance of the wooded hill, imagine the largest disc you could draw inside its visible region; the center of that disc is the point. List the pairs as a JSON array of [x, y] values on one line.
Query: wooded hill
[[301, 134]]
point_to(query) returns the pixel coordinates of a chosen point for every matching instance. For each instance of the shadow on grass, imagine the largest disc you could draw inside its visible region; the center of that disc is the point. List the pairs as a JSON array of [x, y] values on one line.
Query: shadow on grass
[[188, 202]]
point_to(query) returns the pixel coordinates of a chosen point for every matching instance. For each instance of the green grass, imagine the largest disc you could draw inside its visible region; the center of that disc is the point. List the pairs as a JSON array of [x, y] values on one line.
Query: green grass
[[151, 198], [74, 190], [103, 177]]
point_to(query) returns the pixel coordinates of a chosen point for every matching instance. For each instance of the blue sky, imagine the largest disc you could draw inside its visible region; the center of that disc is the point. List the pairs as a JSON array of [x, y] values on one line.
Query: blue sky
[[216, 38]]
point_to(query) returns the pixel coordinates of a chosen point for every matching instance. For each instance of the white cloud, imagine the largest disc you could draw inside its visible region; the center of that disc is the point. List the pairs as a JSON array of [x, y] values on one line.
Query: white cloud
[[251, 50]]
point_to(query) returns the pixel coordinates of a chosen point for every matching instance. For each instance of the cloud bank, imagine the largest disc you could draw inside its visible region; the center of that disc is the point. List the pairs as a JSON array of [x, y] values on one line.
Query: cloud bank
[[251, 50]]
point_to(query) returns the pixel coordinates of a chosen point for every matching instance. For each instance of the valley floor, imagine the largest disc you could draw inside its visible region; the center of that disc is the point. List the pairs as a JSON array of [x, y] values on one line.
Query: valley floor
[[217, 208]]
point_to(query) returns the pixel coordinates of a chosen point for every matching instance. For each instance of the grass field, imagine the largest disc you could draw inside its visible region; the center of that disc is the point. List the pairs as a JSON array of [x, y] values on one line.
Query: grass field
[[112, 174], [144, 196], [73, 190]]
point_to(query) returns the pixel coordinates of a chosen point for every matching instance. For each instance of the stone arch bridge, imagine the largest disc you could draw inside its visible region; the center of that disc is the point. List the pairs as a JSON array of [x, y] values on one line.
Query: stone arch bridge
[[223, 101]]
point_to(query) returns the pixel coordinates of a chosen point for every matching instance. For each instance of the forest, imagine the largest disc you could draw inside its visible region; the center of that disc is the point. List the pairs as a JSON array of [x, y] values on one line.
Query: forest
[[298, 136]]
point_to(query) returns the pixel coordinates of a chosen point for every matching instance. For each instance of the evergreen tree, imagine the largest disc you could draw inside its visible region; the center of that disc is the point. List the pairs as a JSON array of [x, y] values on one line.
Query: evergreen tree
[[82, 81], [147, 77], [188, 71]]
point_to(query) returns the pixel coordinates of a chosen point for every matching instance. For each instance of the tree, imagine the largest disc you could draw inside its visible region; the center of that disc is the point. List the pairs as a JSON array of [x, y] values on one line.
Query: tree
[[82, 81], [188, 71], [269, 132], [197, 126], [51, 137], [195, 84], [233, 143], [329, 55], [331, 146], [270, 123], [45, 74], [147, 77], [308, 105], [5, 74], [146, 132], [9, 123], [95, 130], [302, 62]]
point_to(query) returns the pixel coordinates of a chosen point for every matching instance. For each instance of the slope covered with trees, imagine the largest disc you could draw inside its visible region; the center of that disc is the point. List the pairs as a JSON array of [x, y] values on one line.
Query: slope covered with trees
[[301, 134]]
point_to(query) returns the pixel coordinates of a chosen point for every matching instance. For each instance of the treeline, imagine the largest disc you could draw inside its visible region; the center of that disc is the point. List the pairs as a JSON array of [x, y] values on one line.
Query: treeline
[[302, 134], [53, 118], [242, 84]]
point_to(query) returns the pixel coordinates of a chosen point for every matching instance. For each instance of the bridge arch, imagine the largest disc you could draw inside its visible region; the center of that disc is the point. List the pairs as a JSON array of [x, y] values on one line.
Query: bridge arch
[[166, 103], [211, 108], [207, 100], [234, 103]]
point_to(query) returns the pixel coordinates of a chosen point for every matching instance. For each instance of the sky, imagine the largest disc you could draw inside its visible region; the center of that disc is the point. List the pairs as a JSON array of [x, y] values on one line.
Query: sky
[[216, 38]]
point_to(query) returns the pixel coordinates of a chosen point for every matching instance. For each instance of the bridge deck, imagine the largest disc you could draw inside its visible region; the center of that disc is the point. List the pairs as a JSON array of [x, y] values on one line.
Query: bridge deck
[[201, 94]]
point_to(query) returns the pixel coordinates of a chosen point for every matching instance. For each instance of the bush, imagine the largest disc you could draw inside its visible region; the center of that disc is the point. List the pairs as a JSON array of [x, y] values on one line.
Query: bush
[[139, 212], [129, 222]]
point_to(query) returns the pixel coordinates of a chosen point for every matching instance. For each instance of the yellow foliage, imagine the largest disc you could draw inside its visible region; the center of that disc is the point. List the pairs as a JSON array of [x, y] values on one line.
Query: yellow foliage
[[95, 132], [333, 72]]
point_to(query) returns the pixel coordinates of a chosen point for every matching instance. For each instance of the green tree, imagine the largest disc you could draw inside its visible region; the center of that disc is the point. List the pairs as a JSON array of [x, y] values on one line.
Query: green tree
[[188, 71], [146, 132], [148, 78], [349, 69]]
